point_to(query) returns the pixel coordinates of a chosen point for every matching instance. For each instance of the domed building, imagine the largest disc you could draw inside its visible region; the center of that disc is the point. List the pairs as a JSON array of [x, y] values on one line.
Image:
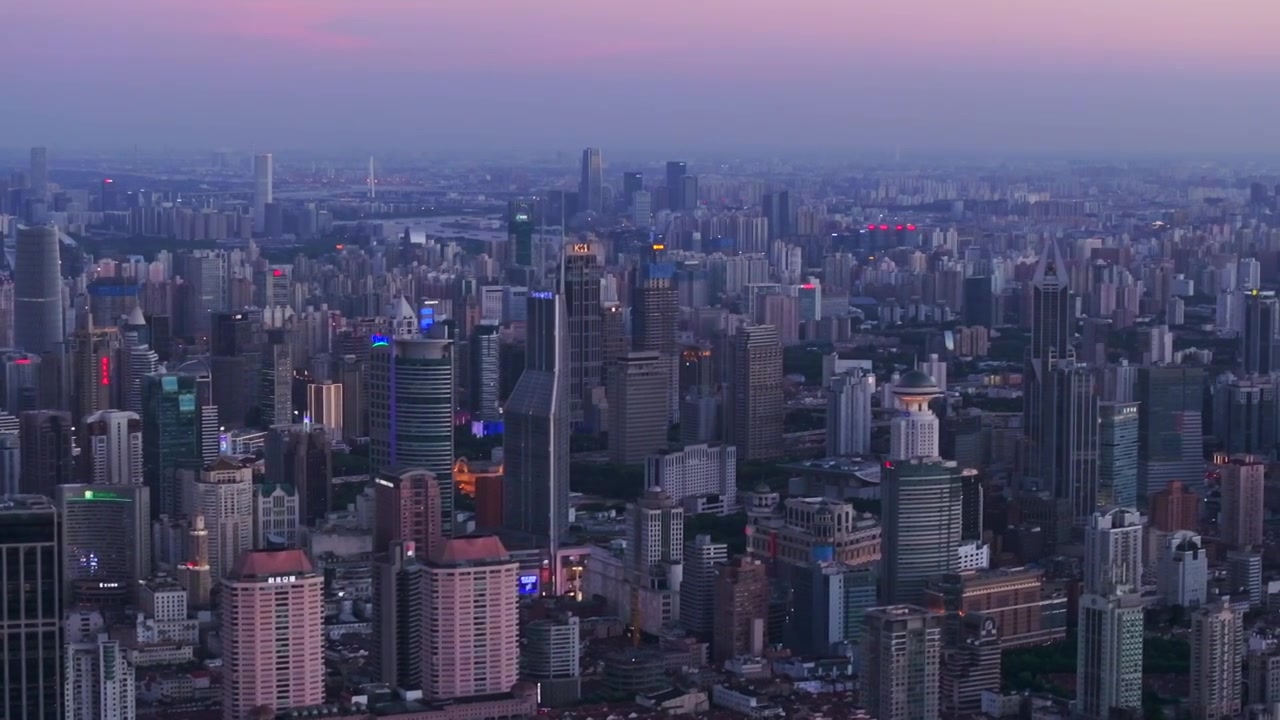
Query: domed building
[[914, 433]]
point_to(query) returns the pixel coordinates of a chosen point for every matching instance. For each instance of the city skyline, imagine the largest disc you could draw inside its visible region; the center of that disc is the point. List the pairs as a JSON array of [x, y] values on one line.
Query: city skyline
[[985, 76]]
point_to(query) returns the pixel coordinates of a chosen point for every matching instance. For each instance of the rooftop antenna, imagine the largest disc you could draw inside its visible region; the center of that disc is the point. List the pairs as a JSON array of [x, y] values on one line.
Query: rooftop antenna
[[372, 190]]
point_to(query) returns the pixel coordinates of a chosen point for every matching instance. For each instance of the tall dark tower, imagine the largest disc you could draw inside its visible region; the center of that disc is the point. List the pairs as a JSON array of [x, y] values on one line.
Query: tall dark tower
[[591, 185], [676, 170], [37, 290], [235, 348], [654, 310], [520, 223], [1050, 345], [536, 435], [31, 615], [1261, 329], [581, 288], [776, 208]]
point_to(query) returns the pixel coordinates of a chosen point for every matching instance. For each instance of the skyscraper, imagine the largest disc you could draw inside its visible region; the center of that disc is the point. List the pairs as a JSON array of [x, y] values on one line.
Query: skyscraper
[[698, 587], [31, 615], [638, 407], [1118, 454], [922, 519], [472, 608], [755, 409], [1217, 660], [275, 395], [1170, 426], [654, 315], [235, 349], [849, 413], [1051, 330], [591, 185], [1109, 662], [697, 471], [106, 541], [40, 173], [1258, 343], [398, 605], [676, 170], [37, 290], [272, 612], [581, 288], [222, 492], [173, 433], [742, 604], [901, 654], [913, 432], [486, 381], [1243, 510], [411, 411], [408, 507], [47, 460], [537, 425], [324, 406], [520, 224], [262, 191], [777, 211], [632, 182], [1075, 442], [115, 448], [1113, 552], [302, 456], [99, 680]]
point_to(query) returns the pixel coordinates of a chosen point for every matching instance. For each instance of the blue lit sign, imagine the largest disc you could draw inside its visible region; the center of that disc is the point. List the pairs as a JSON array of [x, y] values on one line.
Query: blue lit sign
[[380, 340], [543, 295], [426, 318], [529, 584]]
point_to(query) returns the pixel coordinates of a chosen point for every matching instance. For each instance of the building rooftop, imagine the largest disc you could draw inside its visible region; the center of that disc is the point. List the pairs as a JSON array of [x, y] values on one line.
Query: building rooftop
[[470, 549], [259, 564]]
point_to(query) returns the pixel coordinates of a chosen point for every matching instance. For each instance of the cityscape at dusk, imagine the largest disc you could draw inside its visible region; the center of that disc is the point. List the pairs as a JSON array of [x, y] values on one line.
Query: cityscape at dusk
[[499, 360]]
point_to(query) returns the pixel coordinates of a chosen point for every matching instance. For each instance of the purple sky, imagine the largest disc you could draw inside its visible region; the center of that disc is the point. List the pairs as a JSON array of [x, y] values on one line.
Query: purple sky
[[981, 75]]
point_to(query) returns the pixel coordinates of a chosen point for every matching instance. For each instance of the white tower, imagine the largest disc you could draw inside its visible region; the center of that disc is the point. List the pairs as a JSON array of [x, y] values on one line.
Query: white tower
[[914, 432]]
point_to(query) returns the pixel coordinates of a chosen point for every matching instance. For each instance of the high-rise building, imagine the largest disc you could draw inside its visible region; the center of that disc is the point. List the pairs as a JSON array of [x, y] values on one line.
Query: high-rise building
[[922, 524], [1182, 570], [47, 458], [1244, 575], [1113, 552], [1259, 347], [301, 456], [485, 383], [777, 211], [352, 375], [675, 172], [398, 605], [970, 666], [1109, 663], [654, 315], [115, 448], [1242, 485], [1051, 331], [106, 541], [20, 382], [978, 302], [272, 611], [849, 413], [697, 471], [179, 427], [1074, 446], [591, 184], [411, 400], [235, 351], [755, 409], [581, 289], [195, 574], [275, 395], [40, 173], [1118, 454], [1016, 598], [94, 358], [913, 432], [742, 605], [901, 663], [136, 363], [37, 291], [1175, 508], [276, 516], [632, 182], [689, 192], [520, 224], [551, 657], [262, 190], [31, 615], [537, 426], [100, 680], [272, 286], [1170, 426], [472, 607], [638, 407], [698, 588], [408, 507], [828, 602], [222, 492], [324, 407], [1217, 661]]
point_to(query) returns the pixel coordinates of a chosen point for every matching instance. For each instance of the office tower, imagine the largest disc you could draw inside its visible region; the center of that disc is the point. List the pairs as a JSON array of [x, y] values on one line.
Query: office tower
[[536, 434], [1258, 342], [849, 413], [1217, 660], [641, 208], [37, 291], [324, 407], [472, 607], [48, 460], [173, 433], [411, 411], [352, 375], [10, 463], [551, 658], [275, 396], [276, 516], [40, 173], [1109, 663], [222, 492], [112, 299], [206, 272], [638, 407], [1170, 421], [114, 448], [970, 666], [272, 286], [698, 588], [632, 182], [1051, 332], [1118, 454], [755, 408], [1113, 552], [408, 506], [1015, 598], [901, 654], [99, 680], [742, 604], [195, 574], [94, 361], [520, 224], [272, 608], [302, 456], [235, 349], [485, 381], [398, 605], [1074, 446], [655, 534], [913, 432], [676, 170], [614, 342], [591, 185], [1244, 414], [1175, 508], [1244, 575], [654, 315], [20, 382], [581, 288], [922, 524], [1242, 484], [136, 364], [1182, 574], [106, 541], [777, 211], [828, 601], [689, 192], [978, 302], [31, 616], [697, 471], [262, 192]]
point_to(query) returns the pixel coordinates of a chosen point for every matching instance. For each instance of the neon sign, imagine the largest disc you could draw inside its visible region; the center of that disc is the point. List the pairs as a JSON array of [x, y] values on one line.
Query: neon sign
[[540, 295], [380, 340], [105, 365], [529, 584]]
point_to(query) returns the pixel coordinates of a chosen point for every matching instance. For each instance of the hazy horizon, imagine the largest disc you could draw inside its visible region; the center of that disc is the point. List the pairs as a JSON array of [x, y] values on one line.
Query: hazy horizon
[[1093, 76]]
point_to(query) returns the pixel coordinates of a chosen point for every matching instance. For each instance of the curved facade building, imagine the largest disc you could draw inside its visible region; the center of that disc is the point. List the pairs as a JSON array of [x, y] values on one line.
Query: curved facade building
[[37, 290]]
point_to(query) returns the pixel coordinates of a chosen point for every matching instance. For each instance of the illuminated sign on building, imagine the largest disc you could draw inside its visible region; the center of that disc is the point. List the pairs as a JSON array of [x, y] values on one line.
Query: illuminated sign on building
[[282, 579], [380, 340], [529, 584], [102, 495], [105, 364], [543, 295], [582, 248], [426, 317]]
